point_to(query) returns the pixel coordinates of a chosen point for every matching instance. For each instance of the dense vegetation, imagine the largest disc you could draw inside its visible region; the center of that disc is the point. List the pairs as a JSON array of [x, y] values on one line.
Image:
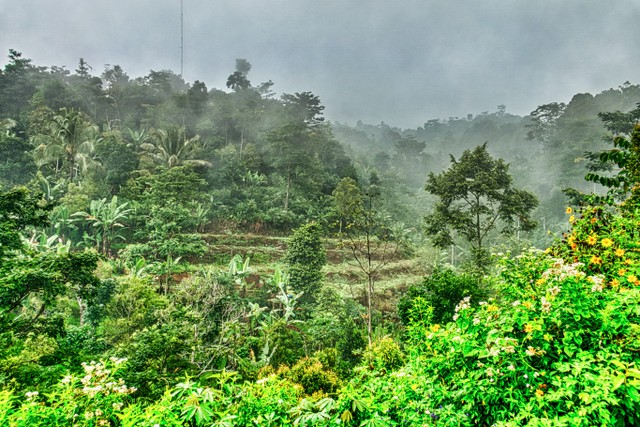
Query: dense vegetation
[[174, 255]]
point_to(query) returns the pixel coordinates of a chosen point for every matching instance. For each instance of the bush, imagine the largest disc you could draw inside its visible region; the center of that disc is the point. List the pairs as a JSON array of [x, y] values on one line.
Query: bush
[[312, 375], [384, 355], [443, 290]]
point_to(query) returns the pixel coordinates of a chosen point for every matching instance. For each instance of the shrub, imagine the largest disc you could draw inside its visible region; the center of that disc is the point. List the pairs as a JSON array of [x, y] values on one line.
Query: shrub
[[312, 375], [384, 355], [443, 290]]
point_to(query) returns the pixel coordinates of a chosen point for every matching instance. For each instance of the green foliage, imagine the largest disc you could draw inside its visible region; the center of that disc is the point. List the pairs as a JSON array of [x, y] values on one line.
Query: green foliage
[[312, 375], [17, 165], [305, 258], [476, 196], [19, 209], [384, 355], [30, 281], [442, 290], [96, 399], [557, 347], [624, 158], [105, 218]]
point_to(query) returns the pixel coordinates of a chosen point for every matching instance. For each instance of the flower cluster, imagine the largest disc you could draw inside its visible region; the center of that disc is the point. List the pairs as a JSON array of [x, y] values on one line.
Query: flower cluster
[[462, 305], [97, 379], [561, 271], [598, 282], [532, 351], [545, 305]]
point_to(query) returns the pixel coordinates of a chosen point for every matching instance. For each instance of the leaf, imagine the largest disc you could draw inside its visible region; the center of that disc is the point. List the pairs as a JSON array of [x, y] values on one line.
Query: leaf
[[585, 397], [618, 381]]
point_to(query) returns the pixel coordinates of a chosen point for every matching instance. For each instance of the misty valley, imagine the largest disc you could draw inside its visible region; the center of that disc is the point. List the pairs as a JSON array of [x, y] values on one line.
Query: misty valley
[[178, 255]]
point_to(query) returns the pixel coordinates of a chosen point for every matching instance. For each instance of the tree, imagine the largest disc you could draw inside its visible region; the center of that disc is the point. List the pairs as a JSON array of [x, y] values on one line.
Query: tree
[[18, 210], [304, 107], [624, 157], [305, 258], [476, 196], [70, 139], [17, 85], [238, 80], [16, 163], [544, 120], [365, 233], [291, 154], [105, 217], [25, 273], [171, 147]]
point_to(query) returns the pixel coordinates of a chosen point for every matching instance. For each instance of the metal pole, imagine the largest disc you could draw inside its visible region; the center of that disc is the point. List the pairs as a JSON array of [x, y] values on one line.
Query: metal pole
[[181, 39]]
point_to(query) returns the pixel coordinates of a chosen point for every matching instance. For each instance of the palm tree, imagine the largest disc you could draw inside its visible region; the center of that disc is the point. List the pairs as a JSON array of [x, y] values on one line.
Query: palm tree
[[7, 125], [171, 147], [69, 143]]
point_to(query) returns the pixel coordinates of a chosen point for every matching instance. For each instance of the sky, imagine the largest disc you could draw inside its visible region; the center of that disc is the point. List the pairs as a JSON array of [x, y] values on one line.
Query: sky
[[402, 62]]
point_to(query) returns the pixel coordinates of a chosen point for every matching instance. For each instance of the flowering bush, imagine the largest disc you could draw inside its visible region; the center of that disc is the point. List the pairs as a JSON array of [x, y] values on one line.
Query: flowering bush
[[96, 399]]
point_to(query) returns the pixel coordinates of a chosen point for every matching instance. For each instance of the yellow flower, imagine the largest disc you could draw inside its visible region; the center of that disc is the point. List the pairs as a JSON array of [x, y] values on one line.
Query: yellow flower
[[573, 245], [614, 283], [606, 242], [572, 219], [592, 240], [632, 279], [594, 220], [528, 328], [540, 281], [435, 328], [628, 261], [569, 210], [539, 393], [622, 272], [620, 252], [595, 260]]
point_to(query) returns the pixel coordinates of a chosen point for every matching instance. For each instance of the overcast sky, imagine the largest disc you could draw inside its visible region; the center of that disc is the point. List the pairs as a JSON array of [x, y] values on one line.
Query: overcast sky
[[402, 62]]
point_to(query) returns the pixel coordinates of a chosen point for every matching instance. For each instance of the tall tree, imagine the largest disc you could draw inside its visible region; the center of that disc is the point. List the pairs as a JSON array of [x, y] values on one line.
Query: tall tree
[[304, 107], [365, 233], [17, 85], [305, 258], [477, 196], [239, 80], [544, 121], [624, 159]]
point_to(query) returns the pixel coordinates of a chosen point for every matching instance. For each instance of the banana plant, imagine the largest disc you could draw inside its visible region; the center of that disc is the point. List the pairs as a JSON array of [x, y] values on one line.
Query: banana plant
[[105, 219]]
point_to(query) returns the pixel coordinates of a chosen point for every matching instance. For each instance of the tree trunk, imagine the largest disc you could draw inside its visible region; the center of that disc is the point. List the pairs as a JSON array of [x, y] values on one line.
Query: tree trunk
[[369, 290], [82, 307], [286, 196]]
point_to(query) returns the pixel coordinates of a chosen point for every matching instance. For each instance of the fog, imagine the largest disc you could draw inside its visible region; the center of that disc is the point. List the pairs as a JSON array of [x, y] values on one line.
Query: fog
[[402, 63]]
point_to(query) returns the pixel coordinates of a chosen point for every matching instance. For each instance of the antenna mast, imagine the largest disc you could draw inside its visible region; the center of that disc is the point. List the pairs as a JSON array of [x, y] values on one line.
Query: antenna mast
[[181, 39]]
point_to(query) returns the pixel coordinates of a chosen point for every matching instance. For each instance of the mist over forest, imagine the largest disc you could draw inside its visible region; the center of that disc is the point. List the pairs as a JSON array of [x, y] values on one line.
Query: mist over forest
[[177, 254]]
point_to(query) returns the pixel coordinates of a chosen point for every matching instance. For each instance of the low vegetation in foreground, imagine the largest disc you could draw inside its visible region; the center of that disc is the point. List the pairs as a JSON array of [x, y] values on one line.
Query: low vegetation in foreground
[[557, 345]]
